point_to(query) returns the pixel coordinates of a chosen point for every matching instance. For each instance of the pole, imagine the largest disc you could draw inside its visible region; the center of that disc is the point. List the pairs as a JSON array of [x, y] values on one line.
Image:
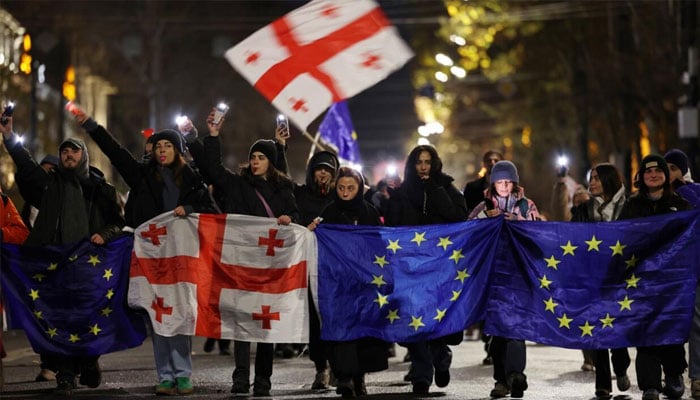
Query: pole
[[315, 141]]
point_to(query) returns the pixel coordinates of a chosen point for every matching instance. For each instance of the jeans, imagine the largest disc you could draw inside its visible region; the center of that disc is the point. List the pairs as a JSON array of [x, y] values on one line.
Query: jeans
[[173, 356]]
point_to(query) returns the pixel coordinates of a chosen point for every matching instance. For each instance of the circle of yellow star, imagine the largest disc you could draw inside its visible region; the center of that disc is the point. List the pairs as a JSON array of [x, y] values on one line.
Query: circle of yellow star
[[108, 274], [393, 245], [625, 304], [440, 314], [378, 280], [52, 332], [444, 242], [552, 262], [106, 311], [416, 322], [110, 293], [393, 316], [94, 260], [381, 300], [544, 282], [34, 294], [456, 255], [632, 281], [593, 244], [586, 329], [419, 238], [455, 295], [95, 329], [564, 321], [617, 249], [632, 262], [381, 261], [462, 275], [52, 266], [607, 321], [74, 338], [568, 248], [550, 305]]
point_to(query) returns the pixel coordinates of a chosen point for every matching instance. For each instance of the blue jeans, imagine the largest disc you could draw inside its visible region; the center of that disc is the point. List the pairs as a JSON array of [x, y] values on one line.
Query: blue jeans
[[173, 356]]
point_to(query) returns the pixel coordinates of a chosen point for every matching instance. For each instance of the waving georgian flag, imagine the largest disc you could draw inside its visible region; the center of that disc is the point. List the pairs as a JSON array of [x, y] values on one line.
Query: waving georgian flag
[[224, 276], [318, 54]]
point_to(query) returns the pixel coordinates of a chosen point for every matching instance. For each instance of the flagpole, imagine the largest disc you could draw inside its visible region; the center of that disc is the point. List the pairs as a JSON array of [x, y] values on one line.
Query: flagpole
[[314, 143]]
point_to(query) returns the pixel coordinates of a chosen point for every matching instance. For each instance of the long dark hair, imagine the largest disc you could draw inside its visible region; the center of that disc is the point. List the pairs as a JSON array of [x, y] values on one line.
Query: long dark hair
[[610, 180], [410, 174], [176, 166]]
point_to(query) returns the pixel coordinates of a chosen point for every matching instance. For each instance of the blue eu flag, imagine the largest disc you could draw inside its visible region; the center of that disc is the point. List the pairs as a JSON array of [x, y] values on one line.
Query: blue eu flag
[[71, 299], [596, 285], [403, 284], [337, 130]]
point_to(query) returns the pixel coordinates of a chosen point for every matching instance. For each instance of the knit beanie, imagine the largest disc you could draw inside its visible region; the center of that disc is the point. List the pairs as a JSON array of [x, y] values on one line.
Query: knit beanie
[[171, 136], [504, 170], [326, 159], [677, 158], [266, 147], [654, 160]]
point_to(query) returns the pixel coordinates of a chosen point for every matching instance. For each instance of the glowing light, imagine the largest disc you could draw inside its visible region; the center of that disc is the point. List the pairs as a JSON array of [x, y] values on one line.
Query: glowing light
[[444, 59], [441, 76], [459, 72], [391, 169], [180, 120], [423, 141], [458, 40], [562, 161]]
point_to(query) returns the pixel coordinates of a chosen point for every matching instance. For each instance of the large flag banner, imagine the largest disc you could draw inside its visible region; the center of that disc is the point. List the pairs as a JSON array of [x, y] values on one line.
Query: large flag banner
[[403, 284], [224, 276], [338, 131], [597, 285], [318, 54], [71, 299]]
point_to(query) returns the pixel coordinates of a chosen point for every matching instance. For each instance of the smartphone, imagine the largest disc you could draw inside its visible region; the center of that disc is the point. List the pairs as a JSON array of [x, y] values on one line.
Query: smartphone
[[72, 108], [221, 110], [283, 122], [7, 112]]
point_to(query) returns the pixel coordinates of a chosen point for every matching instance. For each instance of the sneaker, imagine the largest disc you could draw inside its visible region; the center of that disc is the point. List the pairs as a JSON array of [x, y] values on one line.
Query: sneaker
[[184, 385], [45, 375], [602, 394], [321, 380], [623, 383], [90, 374], [65, 387], [650, 394], [674, 387], [209, 345], [346, 389], [499, 390], [518, 385], [442, 378], [421, 387], [166, 388], [695, 389]]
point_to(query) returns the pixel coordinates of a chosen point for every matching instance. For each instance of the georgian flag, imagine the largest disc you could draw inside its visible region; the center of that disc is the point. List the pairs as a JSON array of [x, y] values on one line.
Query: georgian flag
[[318, 54], [224, 276]]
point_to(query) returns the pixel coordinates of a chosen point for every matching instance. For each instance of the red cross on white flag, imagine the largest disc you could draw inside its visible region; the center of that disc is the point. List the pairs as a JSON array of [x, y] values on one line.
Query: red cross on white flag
[[224, 275], [318, 54]]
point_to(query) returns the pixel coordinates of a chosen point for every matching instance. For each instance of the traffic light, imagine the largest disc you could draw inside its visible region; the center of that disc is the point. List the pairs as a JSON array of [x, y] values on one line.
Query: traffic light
[[69, 84], [25, 61]]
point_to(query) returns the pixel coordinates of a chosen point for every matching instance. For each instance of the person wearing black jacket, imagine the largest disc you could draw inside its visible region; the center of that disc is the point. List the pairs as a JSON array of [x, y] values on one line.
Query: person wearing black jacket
[[474, 190], [164, 182], [656, 196], [74, 202], [427, 196], [260, 189]]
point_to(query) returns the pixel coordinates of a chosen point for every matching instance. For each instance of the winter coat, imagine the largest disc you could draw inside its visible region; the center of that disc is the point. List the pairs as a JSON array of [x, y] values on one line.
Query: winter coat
[[239, 190], [45, 191], [351, 213], [691, 192], [590, 211], [640, 205], [517, 204], [13, 229], [426, 202], [145, 196], [474, 192]]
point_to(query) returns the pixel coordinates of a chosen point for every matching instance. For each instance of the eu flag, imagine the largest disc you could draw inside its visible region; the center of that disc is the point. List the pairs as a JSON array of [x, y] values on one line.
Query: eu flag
[[71, 299], [596, 285], [403, 284], [337, 130]]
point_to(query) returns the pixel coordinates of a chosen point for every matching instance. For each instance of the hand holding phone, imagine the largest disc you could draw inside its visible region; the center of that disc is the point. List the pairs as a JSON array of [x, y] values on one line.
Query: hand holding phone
[[220, 110], [7, 112], [283, 126]]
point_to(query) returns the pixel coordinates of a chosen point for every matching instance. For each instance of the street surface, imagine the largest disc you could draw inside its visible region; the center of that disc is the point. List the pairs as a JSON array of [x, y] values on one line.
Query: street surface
[[553, 373]]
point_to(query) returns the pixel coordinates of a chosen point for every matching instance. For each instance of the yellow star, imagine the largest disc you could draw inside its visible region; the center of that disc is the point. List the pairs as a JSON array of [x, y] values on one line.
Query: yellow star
[[381, 261], [108, 274], [38, 277], [416, 322], [440, 314], [632, 262], [625, 304], [52, 267], [378, 280], [632, 281], [73, 258], [455, 295], [95, 329], [52, 332], [94, 260], [456, 255], [393, 316], [564, 321], [444, 242], [462, 275], [393, 245], [544, 282], [607, 321], [74, 338], [34, 294], [549, 305], [381, 300], [106, 311], [568, 249], [38, 314], [617, 249], [552, 262], [419, 238], [110, 293], [586, 329], [593, 244]]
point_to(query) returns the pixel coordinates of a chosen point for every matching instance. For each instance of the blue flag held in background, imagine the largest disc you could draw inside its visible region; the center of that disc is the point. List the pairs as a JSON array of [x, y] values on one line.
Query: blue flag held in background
[[403, 284], [337, 130], [596, 285], [71, 299]]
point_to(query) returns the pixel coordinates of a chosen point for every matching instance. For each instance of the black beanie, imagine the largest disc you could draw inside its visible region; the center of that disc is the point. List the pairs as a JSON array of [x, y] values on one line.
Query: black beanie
[[654, 160], [324, 158], [266, 147], [677, 158], [171, 136]]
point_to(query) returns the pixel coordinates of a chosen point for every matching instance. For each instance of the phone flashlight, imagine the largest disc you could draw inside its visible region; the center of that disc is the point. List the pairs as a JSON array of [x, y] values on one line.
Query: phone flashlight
[[562, 161], [7, 112], [220, 111], [180, 120], [283, 122]]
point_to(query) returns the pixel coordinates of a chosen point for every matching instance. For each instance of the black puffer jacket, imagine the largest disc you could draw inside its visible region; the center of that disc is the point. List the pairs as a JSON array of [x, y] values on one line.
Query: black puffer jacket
[[426, 202], [639, 205]]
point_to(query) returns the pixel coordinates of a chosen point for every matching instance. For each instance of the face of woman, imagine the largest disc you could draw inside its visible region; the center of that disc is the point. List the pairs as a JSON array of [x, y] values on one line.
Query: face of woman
[[164, 152], [595, 186], [423, 165], [347, 188], [503, 187], [259, 163]]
